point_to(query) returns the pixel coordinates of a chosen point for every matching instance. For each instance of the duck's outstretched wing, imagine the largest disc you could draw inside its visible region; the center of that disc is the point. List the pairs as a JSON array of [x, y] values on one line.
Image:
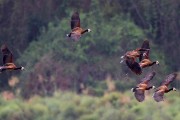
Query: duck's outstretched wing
[[134, 66], [139, 95], [75, 20], [170, 78], [158, 96], [7, 55], [148, 77], [145, 46]]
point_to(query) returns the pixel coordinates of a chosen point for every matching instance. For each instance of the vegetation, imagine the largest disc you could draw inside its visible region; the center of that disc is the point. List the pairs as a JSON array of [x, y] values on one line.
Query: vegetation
[[70, 106], [54, 61]]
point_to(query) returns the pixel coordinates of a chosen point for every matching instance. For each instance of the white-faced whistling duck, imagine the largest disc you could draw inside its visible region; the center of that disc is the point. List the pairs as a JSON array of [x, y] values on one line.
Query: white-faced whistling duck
[[139, 52], [77, 31], [134, 53], [145, 46], [163, 88], [147, 63], [139, 90], [130, 57], [144, 59], [8, 60]]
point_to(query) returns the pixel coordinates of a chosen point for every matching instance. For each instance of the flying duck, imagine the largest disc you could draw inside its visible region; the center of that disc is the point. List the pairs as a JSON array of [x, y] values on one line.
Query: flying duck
[[147, 63], [144, 57], [138, 52], [163, 88], [130, 57], [8, 60], [146, 46], [76, 30], [134, 53], [144, 85]]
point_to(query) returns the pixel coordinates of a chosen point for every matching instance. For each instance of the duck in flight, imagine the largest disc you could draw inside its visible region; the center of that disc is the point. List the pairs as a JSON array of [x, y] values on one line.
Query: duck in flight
[[139, 90], [8, 60], [76, 30], [131, 56], [144, 60], [163, 88]]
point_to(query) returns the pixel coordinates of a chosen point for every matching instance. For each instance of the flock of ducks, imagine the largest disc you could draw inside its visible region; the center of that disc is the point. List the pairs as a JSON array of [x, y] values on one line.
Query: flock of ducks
[[143, 55], [139, 90], [129, 57], [137, 67]]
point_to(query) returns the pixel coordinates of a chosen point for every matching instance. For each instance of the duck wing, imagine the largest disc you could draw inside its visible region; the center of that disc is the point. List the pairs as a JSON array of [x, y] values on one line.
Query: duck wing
[[170, 78], [75, 20], [139, 95], [148, 77], [7, 55], [145, 46], [134, 66], [158, 96]]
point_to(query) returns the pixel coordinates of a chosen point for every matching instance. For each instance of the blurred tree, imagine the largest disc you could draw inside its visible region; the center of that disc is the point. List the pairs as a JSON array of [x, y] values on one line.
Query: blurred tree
[[64, 64], [117, 26]]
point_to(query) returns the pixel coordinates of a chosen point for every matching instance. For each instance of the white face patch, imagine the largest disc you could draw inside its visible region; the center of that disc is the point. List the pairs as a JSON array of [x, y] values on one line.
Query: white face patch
[[157, 62], [89, 30], [22, 68], [174, 89]]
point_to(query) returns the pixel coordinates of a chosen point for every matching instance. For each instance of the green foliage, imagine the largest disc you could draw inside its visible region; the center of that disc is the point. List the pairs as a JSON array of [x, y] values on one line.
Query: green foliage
[[96, 54], [116, 26], [36, 31], [124, 23], [70, 106]]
